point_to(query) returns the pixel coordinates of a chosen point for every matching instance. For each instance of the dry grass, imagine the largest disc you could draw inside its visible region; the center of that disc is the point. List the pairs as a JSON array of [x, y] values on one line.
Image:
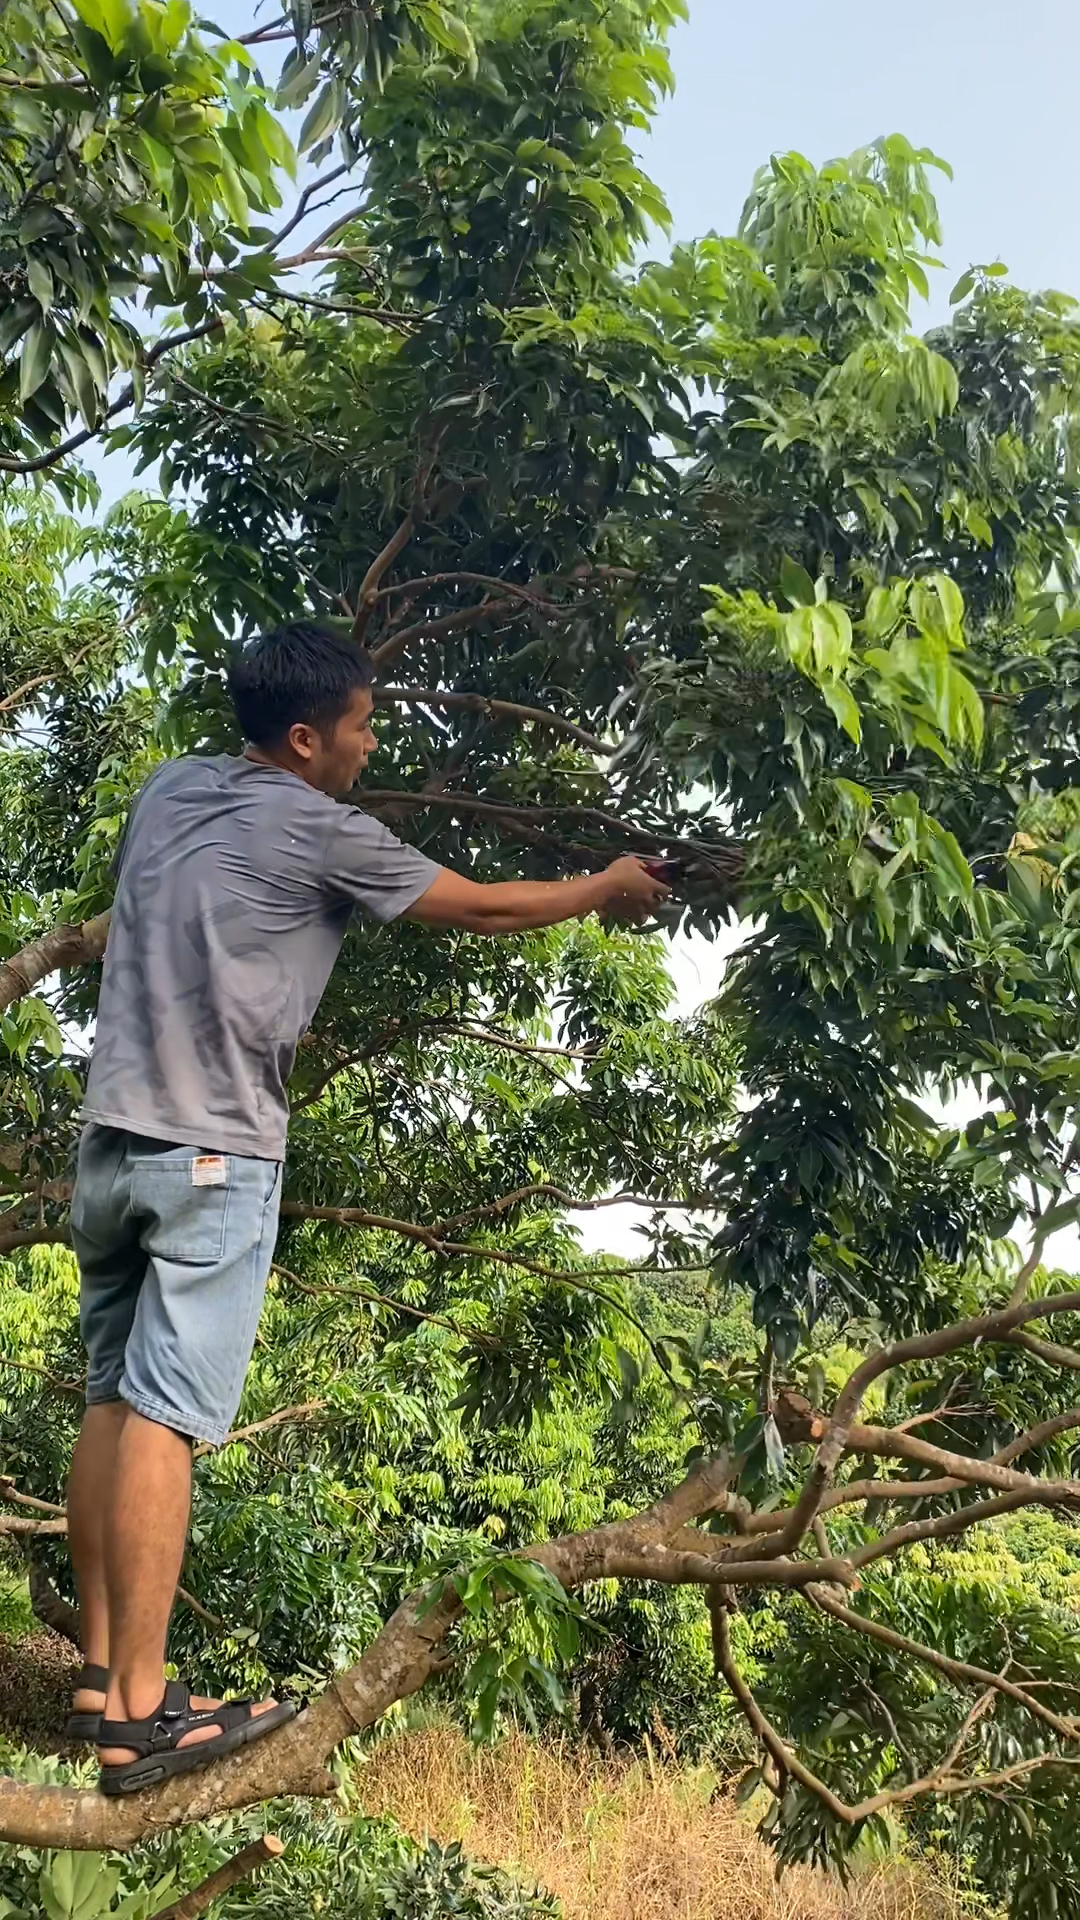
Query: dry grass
[[618, 1842]]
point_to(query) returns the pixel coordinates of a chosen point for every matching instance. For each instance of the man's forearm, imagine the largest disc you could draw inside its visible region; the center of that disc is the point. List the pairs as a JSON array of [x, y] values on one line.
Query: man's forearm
[[516, 906]]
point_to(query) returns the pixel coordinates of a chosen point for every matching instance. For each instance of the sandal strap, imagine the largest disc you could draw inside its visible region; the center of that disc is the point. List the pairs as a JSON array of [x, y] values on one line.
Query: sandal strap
[[91, 1679], [163, 1730]]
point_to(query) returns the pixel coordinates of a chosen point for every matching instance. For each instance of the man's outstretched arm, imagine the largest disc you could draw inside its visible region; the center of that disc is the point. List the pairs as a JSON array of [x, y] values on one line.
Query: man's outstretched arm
[[626, 890]]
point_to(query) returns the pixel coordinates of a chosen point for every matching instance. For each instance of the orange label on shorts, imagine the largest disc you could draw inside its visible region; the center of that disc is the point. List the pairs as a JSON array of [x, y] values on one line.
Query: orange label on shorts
[[209, 1170]]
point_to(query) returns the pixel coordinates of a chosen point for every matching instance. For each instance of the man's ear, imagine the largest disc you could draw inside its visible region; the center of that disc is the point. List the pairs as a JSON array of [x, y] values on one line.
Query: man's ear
[[301, 739]]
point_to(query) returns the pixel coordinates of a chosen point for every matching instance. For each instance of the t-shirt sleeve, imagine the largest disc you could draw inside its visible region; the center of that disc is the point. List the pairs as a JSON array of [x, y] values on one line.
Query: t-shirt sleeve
[[368, 864], [117, 861]]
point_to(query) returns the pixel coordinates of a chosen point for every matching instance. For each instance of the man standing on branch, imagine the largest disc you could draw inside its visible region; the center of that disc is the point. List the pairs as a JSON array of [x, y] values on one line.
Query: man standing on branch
[[235, 884]]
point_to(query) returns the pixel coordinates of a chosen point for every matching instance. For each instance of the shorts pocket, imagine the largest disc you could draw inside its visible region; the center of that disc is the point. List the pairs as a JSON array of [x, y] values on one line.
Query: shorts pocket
[[179, 1220]]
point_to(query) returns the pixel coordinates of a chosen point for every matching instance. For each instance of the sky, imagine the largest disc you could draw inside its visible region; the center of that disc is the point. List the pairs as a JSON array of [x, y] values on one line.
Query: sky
[[989, 85]]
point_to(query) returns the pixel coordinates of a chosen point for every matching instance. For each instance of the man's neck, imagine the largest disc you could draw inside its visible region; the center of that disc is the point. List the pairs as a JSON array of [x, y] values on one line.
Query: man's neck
[[264, 759]]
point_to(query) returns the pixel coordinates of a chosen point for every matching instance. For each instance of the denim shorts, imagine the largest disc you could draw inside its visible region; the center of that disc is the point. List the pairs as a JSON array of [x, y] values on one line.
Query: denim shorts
[[174, 1248]]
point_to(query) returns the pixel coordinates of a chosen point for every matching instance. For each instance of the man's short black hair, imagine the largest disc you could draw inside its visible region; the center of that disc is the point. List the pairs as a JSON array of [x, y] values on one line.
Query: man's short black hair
[[302, 673]]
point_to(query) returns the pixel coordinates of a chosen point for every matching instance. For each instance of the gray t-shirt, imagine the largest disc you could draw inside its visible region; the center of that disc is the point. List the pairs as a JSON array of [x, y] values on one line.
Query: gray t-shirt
[[235, 883]]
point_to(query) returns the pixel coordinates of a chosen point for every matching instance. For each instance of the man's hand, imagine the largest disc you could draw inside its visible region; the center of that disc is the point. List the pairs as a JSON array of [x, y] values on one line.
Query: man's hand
[[632, 892]]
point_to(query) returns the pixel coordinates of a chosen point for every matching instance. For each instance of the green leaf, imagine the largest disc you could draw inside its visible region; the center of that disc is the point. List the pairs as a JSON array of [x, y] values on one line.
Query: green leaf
[[962, 288], [841, 702], [322, 116], [774, 1448], [112, 19], [1064, 1214], [948, 862], [35, 359], [299, 77], [40, 281], [831, 631], [446, 29], [1025, 884], [795, 583]]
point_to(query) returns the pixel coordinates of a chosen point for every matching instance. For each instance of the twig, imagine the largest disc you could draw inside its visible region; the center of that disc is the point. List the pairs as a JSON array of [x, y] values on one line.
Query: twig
[[939, 1780], [544, 1191], [285, 1414], [203, 1613], [303, 203], [359, 1292]]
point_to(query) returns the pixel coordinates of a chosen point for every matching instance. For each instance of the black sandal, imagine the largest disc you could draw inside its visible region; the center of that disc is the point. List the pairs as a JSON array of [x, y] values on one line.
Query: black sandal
[[156, 1739], [83, 1723]]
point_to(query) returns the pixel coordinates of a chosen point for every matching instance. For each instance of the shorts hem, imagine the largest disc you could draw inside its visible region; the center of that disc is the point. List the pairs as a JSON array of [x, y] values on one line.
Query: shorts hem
[[102, 1396], [194, 1426]]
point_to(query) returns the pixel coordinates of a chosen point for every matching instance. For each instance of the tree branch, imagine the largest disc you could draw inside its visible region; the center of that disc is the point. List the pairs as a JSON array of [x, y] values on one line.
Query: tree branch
[[279, 1419], [959, 1670], [259, 1854], [725, 859], [61, 947], [368, 595], [43, 679], [396, 643], [837, 1433], [37, 464], [304, 202], [545, 1191], [497, 709], [939, 1780], [49, 1606]]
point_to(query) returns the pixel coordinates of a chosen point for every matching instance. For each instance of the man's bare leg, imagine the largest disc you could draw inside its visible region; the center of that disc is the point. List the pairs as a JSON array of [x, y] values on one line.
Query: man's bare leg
[[145, 1531], [89, 1499], [89, 1492]]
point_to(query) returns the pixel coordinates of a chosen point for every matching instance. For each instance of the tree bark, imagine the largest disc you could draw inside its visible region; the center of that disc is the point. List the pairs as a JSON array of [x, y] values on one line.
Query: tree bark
[[61, 947]]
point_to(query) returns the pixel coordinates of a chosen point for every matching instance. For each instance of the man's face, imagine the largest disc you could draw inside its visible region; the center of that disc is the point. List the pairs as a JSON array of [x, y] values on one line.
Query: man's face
[[333, 761]]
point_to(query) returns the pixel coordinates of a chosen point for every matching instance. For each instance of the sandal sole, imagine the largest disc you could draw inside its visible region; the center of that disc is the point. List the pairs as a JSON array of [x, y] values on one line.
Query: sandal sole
[[136, 1775]]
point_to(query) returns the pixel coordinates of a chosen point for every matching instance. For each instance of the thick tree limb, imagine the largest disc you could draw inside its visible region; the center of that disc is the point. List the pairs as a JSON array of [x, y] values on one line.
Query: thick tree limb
[[886, 1442], [839, 1431], [1048, 1350], [60, 947], [403, 1655]]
